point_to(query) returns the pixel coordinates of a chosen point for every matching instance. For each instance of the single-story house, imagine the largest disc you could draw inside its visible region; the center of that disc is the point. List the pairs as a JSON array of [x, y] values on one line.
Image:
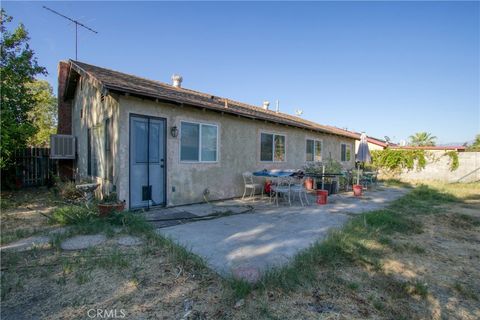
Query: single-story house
[[162, 144]]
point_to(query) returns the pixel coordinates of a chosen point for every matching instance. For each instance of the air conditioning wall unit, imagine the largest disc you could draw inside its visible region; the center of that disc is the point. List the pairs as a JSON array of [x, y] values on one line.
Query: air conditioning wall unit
[[62, 146]]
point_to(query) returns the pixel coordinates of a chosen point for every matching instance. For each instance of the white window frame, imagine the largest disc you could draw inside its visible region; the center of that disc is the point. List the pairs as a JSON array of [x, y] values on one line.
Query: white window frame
[[273, 147], [347, 147], [315, 141], [200, 124]]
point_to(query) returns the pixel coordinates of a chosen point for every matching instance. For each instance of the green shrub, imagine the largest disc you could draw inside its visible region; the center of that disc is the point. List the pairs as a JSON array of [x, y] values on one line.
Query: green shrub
[[69, 215], [395, 160], [454, 162]]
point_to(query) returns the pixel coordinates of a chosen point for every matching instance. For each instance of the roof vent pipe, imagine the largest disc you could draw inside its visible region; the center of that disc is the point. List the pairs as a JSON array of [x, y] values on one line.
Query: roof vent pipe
[[177, 80], [266, 104], [278, 106]]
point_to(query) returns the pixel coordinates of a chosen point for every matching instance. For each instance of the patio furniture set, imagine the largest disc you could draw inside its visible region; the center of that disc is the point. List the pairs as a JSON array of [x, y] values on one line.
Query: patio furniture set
[[290, 184]]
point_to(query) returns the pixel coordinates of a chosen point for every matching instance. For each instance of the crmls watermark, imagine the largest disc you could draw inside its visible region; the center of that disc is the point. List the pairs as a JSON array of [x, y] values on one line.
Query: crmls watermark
[[106, 314]]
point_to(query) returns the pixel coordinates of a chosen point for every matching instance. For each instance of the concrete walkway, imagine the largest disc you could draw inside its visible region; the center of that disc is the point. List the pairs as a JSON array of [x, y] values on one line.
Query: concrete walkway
[[270, 235]]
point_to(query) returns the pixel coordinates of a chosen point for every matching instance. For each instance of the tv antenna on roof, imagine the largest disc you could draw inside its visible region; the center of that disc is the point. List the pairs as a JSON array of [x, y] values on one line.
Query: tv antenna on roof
[[77, 23]]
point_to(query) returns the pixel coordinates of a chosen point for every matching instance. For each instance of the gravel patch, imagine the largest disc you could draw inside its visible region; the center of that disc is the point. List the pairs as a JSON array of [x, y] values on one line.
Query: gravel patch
[[83, 242]]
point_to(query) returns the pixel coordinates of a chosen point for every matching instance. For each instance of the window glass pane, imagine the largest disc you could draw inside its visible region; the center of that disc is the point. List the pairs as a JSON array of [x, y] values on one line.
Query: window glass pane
[[279, 148], [209, 143], [107, 134], [89, 152], [343, 152], [108, 171], [97, 137], [347, 153], [140, 132], [154, 142], [309, 150], [189, 142], [318, 150], [266, 147]]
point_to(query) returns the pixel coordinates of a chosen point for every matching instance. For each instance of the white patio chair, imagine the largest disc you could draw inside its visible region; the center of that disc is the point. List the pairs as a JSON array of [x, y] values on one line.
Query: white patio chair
[[281, 188], [298, 187], [250, 184]]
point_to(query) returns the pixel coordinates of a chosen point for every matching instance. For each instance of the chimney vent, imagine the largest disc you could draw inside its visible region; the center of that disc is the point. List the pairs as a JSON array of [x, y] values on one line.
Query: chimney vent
[[266, 104], [177, 80]]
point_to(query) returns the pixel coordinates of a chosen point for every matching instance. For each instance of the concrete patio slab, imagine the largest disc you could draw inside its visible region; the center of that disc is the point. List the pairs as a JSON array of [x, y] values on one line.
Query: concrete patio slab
[[270, 235]]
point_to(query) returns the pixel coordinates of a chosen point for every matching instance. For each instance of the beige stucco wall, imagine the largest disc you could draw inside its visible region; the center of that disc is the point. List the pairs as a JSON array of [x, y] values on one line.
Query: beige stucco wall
[[95, 111], [238, 151]]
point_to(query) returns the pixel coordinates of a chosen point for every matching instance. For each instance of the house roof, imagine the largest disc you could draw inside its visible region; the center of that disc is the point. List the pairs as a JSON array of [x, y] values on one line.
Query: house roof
[[118, 82], [444, 148], [373, 140]]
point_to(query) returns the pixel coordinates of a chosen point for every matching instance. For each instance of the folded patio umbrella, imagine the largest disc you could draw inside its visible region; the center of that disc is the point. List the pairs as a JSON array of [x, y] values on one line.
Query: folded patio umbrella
[[363, 153]]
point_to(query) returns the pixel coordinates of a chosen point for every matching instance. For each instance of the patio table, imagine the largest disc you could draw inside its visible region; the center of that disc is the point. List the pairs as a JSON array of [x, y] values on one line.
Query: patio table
[[275, 173]]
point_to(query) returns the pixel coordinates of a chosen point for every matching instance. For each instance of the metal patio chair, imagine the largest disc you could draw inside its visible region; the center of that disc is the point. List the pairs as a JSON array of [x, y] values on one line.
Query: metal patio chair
[[298, 187], [249, 184], [281, 188]]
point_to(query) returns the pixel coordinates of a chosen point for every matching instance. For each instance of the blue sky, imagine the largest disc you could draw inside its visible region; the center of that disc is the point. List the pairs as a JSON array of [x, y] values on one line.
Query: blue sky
[[387, 68]]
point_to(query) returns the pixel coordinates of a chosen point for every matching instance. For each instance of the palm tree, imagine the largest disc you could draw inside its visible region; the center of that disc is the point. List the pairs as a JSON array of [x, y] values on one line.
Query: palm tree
[[422, 139]]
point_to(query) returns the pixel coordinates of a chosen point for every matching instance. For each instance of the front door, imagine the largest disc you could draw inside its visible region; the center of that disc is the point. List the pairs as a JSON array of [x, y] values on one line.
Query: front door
[[147, 161]]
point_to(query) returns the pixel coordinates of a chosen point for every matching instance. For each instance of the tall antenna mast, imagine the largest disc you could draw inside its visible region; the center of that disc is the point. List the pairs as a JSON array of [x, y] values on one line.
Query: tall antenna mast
[[77, 23]]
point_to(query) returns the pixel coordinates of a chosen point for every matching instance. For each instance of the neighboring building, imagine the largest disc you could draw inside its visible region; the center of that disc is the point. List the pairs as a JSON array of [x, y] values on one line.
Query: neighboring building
[[431, 148], [373, 143], [150, 140]]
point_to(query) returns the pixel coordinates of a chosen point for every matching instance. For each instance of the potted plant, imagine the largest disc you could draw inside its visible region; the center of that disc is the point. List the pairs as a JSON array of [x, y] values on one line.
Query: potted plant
[[333, 167], [357, 188], [109, 204], [311, 168]]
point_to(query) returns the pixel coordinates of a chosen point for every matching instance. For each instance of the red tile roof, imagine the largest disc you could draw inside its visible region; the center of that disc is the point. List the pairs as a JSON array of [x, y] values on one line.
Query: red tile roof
[[445, 148]]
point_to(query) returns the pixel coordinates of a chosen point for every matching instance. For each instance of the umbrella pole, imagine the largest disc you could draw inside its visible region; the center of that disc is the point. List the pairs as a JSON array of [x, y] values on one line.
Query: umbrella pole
[[323, 176], [358, 174]]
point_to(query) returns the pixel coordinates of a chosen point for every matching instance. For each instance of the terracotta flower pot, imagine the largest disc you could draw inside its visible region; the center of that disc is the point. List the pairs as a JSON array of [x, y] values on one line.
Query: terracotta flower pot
[[106, 209], [309, 183], [357, 190]]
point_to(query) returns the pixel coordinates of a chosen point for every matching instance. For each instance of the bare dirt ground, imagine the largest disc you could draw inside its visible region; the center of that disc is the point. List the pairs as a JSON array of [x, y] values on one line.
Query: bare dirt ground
[[434, 274]]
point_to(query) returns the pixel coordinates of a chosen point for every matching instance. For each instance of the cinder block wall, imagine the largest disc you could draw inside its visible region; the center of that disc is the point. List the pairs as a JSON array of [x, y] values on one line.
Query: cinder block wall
[[438, 168]]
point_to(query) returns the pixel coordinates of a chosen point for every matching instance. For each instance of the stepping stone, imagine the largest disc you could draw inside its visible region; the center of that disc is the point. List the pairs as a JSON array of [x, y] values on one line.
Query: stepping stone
[[83, 242], [129, 241], [27, 244]]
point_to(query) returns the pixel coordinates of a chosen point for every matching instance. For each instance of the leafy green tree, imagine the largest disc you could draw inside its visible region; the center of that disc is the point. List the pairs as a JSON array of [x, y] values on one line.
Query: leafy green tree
[[43, 114], [18, 67], [422, 139], [475, 146]]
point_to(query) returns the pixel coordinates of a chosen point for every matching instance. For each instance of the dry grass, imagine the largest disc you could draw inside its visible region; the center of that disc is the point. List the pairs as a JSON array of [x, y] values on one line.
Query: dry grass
[[431, 273]]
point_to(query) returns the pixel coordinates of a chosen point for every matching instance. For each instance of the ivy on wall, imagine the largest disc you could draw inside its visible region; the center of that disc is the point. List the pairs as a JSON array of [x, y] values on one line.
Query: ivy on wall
[[395, 160], [454, 163]]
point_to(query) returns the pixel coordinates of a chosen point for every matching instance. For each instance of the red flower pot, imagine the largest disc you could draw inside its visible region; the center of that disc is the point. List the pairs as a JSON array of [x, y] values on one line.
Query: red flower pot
[[322, 196], [106, 209], [357, 190]]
